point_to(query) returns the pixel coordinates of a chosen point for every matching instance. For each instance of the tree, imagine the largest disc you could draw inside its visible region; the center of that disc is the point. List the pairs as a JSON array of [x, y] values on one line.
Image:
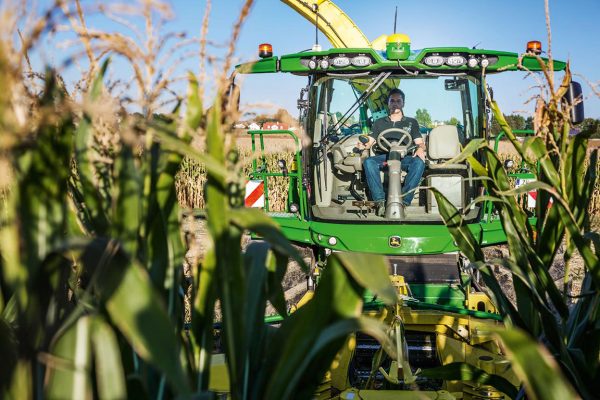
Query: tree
[[423, 118], [283, 115], [591, 125], [515, 121], [452, 121]]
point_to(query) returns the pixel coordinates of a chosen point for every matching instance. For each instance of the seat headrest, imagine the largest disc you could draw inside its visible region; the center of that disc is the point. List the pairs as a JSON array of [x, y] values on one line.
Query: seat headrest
[[444, 143]]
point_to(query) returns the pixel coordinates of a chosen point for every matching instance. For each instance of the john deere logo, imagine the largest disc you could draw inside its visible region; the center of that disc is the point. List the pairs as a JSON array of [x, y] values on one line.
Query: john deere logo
[[395, 241]]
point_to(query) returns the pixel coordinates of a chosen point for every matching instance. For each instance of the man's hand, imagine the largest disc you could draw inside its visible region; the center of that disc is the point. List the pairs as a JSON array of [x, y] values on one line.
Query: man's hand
[[420, 152], [364, 146]]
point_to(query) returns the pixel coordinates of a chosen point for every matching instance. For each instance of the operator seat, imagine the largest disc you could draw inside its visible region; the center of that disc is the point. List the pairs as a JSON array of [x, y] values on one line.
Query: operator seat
[[444, 144], [344, 159]]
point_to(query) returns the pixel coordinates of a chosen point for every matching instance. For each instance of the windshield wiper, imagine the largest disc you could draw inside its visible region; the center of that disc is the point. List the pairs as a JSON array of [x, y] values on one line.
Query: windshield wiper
[[377, 82]]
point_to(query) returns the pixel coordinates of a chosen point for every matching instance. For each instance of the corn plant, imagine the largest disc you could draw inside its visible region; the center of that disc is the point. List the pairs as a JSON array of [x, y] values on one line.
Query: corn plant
[[91, 268], [267, 363], [89, 253], [542, 313]]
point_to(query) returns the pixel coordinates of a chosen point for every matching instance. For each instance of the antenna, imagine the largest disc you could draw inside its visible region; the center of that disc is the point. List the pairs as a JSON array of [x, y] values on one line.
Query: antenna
[[316, 46], [395, 18]]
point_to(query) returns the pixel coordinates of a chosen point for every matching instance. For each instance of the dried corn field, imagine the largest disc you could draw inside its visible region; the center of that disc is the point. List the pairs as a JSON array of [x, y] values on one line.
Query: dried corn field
[[192, 176]]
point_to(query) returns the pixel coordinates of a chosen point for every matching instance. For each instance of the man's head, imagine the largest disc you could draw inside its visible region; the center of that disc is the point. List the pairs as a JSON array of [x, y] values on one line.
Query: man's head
[[395, 101]]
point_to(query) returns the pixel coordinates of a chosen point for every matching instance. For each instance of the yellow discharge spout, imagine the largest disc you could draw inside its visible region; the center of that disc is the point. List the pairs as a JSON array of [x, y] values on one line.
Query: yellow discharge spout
[[335, 24]]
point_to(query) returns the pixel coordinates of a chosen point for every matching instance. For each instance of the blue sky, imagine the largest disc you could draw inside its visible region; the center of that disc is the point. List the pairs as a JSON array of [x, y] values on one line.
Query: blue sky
[[487, 24]]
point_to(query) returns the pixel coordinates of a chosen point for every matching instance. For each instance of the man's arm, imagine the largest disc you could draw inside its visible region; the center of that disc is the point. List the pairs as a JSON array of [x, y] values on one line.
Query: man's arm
[[420, 152], [368, 145], [418, 140], [375, 130]]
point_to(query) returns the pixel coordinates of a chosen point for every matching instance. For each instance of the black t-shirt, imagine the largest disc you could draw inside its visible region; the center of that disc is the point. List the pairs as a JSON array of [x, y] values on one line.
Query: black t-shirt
[[408, 124]]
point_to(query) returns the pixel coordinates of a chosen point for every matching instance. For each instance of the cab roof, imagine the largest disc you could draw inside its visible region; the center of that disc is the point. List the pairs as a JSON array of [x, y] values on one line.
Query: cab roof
[[368, 59]]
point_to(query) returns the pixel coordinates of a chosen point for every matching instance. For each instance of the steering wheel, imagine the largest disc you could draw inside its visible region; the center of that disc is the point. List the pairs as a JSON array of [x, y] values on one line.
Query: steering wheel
[[384, 143]]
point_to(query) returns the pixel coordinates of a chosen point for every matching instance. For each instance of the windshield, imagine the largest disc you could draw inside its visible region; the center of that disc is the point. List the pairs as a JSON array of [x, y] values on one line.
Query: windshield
[[432, 101]]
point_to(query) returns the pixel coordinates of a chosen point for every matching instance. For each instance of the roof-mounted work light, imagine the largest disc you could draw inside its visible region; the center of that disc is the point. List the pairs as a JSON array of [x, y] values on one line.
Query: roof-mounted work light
[[265, 50]]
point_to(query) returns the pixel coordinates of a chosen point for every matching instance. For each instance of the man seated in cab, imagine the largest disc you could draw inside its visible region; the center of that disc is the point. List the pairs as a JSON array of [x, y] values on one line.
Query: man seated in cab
[[413, 165]]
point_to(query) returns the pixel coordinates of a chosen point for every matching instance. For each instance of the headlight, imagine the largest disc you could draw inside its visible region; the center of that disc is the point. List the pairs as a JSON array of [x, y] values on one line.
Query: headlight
[[340, 62], [472, 62], [361, 61], [508, 164], [332, 241], [324, 64], [312, 64], [434, 61], [484, 62], [456, 61]]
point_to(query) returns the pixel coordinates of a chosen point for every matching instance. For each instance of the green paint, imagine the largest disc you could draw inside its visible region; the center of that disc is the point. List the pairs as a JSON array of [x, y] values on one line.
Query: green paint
[[297, 62], [376, 304], [441, 294], [397, 51]]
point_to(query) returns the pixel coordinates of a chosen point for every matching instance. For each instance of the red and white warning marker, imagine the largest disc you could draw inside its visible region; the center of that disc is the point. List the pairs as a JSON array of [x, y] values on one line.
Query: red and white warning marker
[[532, 194], [531, 198], [255, 193]]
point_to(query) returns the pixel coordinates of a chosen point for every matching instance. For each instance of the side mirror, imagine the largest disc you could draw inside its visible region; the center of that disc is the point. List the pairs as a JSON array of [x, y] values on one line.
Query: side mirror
[[455, 84], [574, 97]]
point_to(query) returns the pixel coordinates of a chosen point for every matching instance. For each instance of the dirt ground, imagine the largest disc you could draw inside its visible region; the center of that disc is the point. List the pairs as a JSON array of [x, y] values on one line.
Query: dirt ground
[[295, 285], [197, 240]]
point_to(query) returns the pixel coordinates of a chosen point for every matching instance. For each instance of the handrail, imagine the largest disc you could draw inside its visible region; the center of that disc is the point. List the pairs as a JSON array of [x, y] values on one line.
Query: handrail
[[517, 132], [297, 173]]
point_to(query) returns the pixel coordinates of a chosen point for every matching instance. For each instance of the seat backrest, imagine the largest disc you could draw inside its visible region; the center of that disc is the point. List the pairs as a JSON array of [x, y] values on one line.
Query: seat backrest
[[444, 143]]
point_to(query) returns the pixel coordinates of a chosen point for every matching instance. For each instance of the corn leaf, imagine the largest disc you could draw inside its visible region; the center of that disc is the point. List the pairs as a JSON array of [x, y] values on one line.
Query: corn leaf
[[110, 376], [134, 307], [8, 352], [256, 221], [467, 372], [337, 298], [69, 367], [256, 258], [195, 112], [128, 209], [202, 317], [472, 147], [470, 247], [535, 367], [21, 386], [92, 203], [277, 265], [375, 277], [460, 231], [499, 117]]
